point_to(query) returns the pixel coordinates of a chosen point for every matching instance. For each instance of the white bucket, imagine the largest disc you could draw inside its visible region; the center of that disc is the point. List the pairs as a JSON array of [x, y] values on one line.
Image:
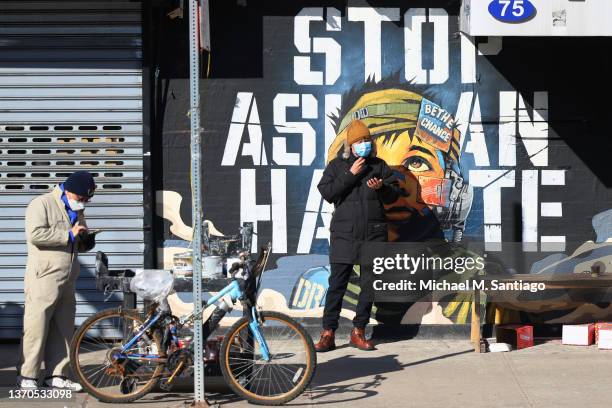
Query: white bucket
[[212, 267]]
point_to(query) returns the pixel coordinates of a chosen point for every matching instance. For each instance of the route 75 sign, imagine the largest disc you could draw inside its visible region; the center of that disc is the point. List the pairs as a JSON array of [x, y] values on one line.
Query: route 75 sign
[[512, 11], [536, 17]]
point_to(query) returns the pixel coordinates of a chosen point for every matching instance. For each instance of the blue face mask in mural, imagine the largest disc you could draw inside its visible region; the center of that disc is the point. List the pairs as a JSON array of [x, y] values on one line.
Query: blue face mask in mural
[[363, 149]]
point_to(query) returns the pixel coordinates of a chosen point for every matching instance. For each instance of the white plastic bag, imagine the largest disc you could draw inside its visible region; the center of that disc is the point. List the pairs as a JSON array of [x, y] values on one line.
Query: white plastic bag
[[152, 284]]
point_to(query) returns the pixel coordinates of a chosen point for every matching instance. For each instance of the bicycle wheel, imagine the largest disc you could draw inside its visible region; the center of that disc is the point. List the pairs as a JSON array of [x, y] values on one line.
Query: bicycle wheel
[[273, 382], [93, 356]]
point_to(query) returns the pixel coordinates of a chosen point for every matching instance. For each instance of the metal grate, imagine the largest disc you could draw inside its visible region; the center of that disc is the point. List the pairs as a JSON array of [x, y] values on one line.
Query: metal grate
[[70, 99]]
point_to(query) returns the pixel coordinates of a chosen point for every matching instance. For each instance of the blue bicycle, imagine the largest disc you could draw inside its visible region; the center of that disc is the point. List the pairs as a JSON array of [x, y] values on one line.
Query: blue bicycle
[[267, 358]]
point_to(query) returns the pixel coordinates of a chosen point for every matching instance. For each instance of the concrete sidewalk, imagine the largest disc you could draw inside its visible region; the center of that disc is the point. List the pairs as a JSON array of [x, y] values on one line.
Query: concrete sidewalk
[[417, 373]]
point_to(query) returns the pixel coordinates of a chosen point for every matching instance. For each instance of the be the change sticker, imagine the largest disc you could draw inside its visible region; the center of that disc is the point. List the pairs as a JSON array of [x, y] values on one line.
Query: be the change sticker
[[435, 125]]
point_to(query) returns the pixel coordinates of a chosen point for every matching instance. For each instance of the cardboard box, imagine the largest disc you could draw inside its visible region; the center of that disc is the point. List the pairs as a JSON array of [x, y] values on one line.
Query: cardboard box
[[605, 339], [601, 326], [520, 336], [579, 334]]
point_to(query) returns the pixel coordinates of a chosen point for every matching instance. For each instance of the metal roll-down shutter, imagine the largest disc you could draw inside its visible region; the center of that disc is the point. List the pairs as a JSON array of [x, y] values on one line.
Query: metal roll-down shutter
[[70, 99]]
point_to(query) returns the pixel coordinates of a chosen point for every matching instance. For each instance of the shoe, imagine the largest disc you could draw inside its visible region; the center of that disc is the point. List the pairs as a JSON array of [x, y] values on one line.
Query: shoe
[[62, 383], [359, 340], [25, 383], [326, 343]]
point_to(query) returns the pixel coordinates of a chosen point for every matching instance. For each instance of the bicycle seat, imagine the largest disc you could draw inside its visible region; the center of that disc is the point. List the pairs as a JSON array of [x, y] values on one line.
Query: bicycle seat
[[101, 264]]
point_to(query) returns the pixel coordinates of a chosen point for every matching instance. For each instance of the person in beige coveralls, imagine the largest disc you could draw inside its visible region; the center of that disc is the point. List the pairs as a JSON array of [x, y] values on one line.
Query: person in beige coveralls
[[55, 232]]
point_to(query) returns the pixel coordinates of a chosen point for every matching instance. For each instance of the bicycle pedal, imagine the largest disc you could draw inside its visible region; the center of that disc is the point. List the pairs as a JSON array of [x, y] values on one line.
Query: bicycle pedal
[[127, 385], [164, 385]]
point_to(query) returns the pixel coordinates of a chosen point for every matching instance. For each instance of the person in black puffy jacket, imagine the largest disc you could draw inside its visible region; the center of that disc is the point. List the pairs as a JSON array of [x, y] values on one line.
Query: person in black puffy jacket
[[358, 184]]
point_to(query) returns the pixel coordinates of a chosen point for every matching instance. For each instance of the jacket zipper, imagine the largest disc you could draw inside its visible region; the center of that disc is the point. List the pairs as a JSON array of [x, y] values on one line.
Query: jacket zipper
[[364, 207]]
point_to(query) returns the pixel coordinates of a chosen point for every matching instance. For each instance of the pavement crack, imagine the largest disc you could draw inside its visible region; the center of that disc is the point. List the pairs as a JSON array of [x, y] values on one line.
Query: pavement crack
[[513, 372]]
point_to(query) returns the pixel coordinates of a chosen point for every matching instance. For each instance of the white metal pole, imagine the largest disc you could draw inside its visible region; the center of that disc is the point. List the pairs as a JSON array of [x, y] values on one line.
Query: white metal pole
[[196, 191]]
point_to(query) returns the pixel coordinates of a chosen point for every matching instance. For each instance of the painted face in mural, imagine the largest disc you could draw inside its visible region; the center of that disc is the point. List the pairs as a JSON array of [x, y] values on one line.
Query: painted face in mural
[[419, 162], [410, 159]]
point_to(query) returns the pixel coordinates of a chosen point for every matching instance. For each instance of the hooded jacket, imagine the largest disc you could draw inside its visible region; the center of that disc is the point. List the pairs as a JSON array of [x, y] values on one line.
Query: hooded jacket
[[359, 214]]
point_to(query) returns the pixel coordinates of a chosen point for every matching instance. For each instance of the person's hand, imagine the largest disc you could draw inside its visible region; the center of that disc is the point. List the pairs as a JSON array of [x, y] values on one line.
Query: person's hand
[[374, 183], [77, 229], [357, 166]]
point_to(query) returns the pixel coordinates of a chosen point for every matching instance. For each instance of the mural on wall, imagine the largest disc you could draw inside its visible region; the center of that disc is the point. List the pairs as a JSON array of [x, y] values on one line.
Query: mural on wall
[[484, 150], [419, 140]]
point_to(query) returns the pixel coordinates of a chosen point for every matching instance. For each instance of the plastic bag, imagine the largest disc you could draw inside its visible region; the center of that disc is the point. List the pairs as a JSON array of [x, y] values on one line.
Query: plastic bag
[[152, 284]]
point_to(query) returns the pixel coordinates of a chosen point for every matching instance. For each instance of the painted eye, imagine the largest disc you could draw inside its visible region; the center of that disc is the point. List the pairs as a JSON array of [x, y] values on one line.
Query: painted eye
[[417, 164]]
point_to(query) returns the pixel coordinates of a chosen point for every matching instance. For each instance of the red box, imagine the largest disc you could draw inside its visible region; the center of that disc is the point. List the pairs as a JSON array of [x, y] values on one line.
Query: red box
[[520, 336], [601, 326]]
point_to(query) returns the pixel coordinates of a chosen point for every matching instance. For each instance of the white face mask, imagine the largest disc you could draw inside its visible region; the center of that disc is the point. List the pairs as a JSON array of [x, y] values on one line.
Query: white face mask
[[76, 205]]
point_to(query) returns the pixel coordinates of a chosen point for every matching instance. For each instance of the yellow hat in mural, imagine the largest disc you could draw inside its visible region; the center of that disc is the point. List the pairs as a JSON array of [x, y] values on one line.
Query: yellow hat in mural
[[385, 112], [381, 111]]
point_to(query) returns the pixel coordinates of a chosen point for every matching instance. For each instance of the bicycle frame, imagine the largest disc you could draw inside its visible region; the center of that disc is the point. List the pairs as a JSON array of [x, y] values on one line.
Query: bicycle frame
[[235, 293]]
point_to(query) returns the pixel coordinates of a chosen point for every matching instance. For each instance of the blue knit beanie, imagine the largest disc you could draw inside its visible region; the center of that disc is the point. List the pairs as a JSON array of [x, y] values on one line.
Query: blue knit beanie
[[80, 183]]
